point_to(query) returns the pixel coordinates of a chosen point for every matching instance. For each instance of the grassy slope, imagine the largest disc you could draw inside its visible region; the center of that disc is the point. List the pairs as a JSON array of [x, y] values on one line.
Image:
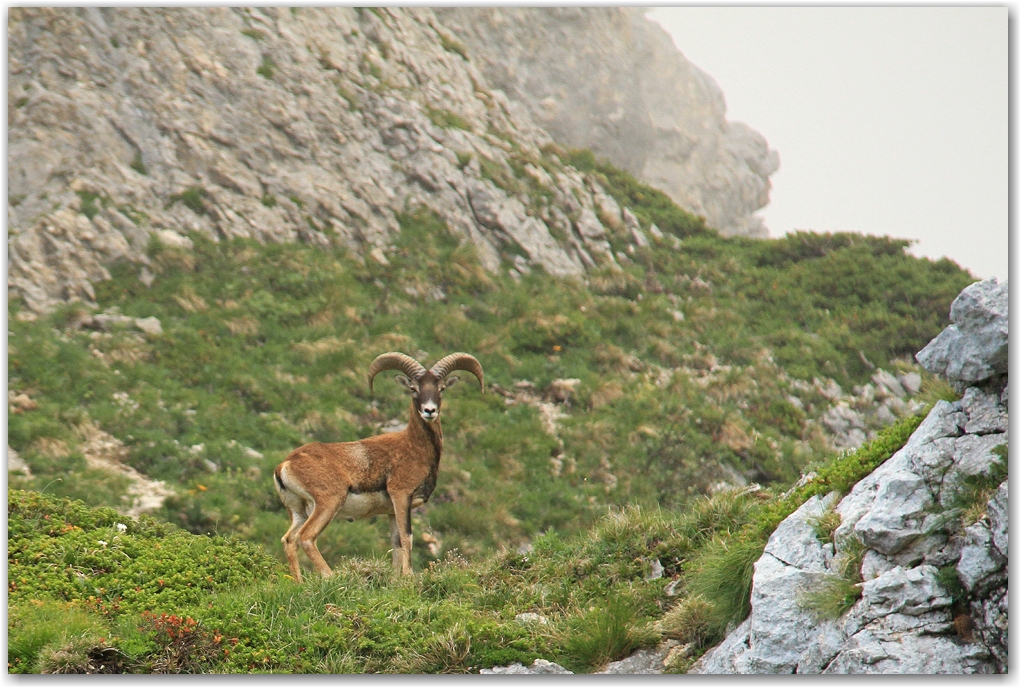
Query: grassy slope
[[78, 585], [266, 347]]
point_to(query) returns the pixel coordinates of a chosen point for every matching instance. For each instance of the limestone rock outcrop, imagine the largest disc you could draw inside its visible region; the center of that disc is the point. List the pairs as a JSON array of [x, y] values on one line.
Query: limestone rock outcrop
[[906, 526], [974, 349], [611, 80]]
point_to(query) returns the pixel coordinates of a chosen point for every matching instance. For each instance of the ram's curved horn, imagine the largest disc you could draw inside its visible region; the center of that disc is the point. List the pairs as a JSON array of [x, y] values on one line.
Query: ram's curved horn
[[395, 361], [459, 361]]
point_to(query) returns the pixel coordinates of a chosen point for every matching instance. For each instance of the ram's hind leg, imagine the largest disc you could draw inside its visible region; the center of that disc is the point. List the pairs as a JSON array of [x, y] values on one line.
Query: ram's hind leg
[[297, 518], [321, 515]]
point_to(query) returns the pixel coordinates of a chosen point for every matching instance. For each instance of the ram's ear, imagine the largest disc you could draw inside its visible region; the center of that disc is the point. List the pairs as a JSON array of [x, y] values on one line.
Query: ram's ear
[[405, 382], [449, 381]]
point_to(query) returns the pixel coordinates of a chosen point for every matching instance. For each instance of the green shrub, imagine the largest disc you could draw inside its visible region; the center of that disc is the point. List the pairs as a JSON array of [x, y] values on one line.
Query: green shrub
[[61, 550], [949, 578]]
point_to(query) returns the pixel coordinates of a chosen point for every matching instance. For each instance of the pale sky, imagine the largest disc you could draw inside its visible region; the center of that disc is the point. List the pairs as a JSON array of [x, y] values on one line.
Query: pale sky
[[888, 120]]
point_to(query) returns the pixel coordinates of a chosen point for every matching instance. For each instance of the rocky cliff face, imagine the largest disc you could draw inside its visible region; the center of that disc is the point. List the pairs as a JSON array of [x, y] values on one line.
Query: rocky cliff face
[[927, 548], [319, 125], [312, 124], [610, 80]]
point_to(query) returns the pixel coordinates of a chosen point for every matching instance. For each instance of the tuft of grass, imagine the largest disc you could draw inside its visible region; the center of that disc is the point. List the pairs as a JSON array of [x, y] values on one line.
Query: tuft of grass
[[836, 594], [689, 622], [831, 598], [935, 388], [267, 68], [350, 96], [446, 119], [269, 200], [825, 525], [604, 633], [254, 33], [193, 198], [452, 45], [970, 498], [90, 203], [464, 159], [500, 175], [369, 66], [849, 557], [138, 164], [21, 102], [722, 578]]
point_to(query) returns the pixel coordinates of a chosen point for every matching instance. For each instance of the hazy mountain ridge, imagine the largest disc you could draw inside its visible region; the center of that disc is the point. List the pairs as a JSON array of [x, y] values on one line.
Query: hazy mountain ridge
[[609, 79]]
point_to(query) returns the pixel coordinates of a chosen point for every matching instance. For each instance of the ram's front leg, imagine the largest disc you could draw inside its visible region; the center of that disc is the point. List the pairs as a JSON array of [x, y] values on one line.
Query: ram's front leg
[[402, 520], [398, 551]]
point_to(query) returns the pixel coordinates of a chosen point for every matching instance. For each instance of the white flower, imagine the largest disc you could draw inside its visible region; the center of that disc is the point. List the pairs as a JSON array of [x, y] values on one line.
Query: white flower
[[102, 543], [121, 527]]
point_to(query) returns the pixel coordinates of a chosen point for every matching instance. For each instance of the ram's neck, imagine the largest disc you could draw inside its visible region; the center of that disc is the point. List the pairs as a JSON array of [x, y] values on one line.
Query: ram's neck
[[426, 433]]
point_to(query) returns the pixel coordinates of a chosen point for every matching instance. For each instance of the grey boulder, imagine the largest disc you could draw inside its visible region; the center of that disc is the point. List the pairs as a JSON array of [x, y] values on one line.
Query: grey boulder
[[974, 348]]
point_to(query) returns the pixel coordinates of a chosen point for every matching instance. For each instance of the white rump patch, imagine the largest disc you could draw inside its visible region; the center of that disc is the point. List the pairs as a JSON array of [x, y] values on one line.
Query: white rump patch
[[294, 495]]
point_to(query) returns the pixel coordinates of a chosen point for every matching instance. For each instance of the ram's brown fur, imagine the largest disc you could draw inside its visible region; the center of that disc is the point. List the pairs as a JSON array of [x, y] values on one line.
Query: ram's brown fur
[[387, 474]]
